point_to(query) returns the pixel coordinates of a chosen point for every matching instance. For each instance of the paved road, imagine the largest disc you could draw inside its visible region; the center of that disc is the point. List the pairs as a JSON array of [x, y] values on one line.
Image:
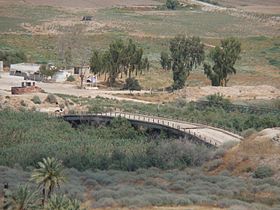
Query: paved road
[[211, 135]]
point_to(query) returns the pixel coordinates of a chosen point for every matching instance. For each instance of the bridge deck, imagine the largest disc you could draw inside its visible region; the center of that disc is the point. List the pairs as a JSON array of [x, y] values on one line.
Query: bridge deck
[[208, 134]]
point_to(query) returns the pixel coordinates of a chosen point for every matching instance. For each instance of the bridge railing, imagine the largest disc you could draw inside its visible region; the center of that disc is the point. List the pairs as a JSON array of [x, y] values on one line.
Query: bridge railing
[[191, 120], [175, 124]]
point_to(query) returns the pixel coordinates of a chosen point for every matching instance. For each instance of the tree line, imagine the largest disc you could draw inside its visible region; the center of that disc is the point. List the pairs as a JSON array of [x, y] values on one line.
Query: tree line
[[126, 59], [187, 53], [120, 59]]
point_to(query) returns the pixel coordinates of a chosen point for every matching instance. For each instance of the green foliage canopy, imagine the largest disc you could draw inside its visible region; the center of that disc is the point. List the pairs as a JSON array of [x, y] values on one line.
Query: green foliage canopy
[[224, 59], [186, 54], [165, 61], [12, 56], [121, 58]]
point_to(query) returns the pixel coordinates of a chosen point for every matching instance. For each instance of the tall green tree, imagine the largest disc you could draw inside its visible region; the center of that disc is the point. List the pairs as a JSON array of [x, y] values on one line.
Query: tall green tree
[[165, 61], [96, 62], [187, 53], [48, 176], [12, 56], [120, 59], [223, 58]]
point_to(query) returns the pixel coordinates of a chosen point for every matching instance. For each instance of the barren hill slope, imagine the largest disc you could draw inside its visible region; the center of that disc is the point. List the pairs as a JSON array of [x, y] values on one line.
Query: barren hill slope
[[261, 149], [83, 3]]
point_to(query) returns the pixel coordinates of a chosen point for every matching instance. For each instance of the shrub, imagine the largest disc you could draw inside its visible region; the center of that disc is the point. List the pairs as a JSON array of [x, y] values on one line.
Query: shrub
[[51, 99], [22, 103], [263, 172], [218, 100], [171, 4], [36, 100], [71, 78], [214, 164], [131, 84]]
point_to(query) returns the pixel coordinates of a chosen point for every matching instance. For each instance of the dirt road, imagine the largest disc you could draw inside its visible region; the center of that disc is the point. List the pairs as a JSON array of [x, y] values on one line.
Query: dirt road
[[7, 81]]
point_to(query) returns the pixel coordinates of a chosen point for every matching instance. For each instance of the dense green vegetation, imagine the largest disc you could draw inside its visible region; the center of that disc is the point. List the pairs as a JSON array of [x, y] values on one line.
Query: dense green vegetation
[[9, 56], [120, 59], [216, 112], [33, 136]]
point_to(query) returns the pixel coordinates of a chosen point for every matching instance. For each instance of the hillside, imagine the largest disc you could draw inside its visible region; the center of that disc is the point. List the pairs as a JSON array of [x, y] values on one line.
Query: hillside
[[260, 149], [83, 4], [266, 7]]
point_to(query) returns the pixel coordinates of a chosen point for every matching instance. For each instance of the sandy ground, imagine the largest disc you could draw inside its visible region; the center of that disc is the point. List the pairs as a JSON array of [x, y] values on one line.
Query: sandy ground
[[7, 81], [234, 93]]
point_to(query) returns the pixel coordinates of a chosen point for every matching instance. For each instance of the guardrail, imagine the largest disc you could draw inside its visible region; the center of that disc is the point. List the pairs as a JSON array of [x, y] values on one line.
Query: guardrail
[[171, 123]]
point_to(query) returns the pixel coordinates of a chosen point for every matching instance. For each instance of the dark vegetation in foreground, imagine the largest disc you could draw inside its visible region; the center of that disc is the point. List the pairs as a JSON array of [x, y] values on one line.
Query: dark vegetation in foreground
[[146, 187], [33, 136], [119, 166]]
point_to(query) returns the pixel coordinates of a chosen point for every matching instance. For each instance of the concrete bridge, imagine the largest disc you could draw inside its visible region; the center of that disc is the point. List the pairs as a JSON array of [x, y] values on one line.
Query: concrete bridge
[[193, 131]]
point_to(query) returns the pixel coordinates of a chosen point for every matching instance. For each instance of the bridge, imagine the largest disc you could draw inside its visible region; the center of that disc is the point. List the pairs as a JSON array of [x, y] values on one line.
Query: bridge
[[192, 131]]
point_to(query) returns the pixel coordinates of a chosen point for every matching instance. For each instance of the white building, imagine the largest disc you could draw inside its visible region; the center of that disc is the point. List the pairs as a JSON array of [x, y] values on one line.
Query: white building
[[24, 69]]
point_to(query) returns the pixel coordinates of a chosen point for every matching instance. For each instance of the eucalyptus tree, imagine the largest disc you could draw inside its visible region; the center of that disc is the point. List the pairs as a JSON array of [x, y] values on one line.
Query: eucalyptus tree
[[120, 59], [187, 53], [223, 58], [165, 61]]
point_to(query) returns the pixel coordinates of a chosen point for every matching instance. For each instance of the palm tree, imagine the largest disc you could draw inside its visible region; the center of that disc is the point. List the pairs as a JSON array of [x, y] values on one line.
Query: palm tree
[[48, 176], [61, 202], [24, 199]]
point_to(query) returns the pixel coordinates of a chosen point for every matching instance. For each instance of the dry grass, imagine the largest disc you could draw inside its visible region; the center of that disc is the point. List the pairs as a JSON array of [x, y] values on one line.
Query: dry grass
[[259, 6], [84, 4], [169, 208], [257, 150]]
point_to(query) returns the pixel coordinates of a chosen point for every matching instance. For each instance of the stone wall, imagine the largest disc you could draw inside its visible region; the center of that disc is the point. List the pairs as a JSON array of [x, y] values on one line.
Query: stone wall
[[24, 90]]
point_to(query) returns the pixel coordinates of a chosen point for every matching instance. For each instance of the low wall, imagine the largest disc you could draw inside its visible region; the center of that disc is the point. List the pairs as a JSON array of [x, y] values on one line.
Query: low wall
[[24, 90]]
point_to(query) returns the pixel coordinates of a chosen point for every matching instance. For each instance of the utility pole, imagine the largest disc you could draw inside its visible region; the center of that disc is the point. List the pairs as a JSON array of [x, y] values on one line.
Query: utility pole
[[82, 75]]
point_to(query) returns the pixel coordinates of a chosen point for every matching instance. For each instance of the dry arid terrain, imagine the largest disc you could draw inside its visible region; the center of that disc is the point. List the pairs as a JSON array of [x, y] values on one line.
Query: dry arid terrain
[[118, 165], [261, 148], [258, 6], [83, 4]]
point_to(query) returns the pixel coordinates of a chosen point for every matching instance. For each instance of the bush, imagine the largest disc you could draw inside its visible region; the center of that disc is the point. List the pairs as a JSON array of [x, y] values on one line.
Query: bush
[[218, 100], [36, 100], [51, 99], [131, 84], [263, 172], [172, 4], [22, 103], [71, 78]]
